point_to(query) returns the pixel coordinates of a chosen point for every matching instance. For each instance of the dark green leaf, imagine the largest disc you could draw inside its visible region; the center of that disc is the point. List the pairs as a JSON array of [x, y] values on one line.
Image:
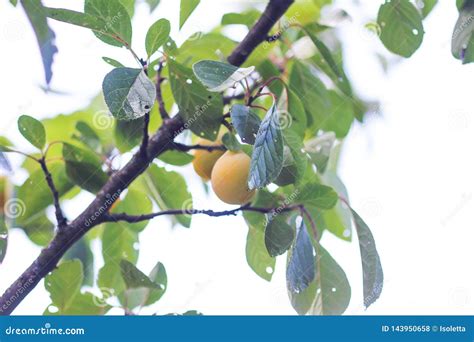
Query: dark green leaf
[[44, 35], [371, 265], [200, 109], [157, 35], [300, 270], [401, 27], [317, 195], [257, 255], [128, 134], [81, 250], [129, 93], [279, 235], [32, 130], [116, 19], [84, 168], [218, 76], [267, 156], [294, 160], [113, 62], [297, 120], [245, 122], [312, 93], [186, 8]]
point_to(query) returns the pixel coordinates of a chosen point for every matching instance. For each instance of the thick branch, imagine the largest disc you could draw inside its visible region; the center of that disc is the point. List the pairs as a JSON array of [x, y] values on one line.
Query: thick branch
[[96, 212], [259, 33], [208, 212], [62, 222], [186, 148], [144, 144]]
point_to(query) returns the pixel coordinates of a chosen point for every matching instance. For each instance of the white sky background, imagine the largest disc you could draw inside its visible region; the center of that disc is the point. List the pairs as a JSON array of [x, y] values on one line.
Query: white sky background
[[408, 171]]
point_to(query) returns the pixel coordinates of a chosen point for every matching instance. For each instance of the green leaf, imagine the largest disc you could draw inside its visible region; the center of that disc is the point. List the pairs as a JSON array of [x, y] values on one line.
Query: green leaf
[[129, 93], [209, 46], [317, 195], [87, 136], [157, 35], [85, 20], [84, 168], [428, 6], [341, 115], [81, 250], [176, 158], [140, 289], [128, 134], [200, 109], [319, 149], [294, 161], [312, 93], [279, 235], [169, 190], [401, 27], [245, 122], [158, 276], [462, 43], [257, 255], [324, 50], [371, 265], [5, 144], [116, 19], [230, 142], [44, 35], [297, 113], [64, 283], [134, 278], [118, 242], [247, 18], [267, 156], [113, 62], [129, 5], [218, 76], [32, 130], [186, 8], [256, 252], [328, 294], [300, 270]]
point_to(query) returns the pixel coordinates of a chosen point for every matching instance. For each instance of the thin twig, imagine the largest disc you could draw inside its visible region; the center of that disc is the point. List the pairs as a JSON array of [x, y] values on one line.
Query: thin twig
[[186, 148], [159, 95], [62, 222], [145, 217]]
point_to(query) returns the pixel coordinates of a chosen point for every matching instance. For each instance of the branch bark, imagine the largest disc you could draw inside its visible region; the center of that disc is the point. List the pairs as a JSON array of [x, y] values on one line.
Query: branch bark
[[186, 148], [96, 212]]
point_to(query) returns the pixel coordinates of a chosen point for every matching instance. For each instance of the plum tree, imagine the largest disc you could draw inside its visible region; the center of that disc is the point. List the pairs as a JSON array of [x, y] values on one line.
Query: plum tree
[[285, 112], [229, 178]]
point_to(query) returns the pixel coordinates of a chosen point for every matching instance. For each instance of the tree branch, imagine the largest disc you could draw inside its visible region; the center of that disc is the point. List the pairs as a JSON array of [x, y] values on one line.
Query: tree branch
[[186, 148], [62, 222], [208, 212], [259, 32], [97, 210]]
